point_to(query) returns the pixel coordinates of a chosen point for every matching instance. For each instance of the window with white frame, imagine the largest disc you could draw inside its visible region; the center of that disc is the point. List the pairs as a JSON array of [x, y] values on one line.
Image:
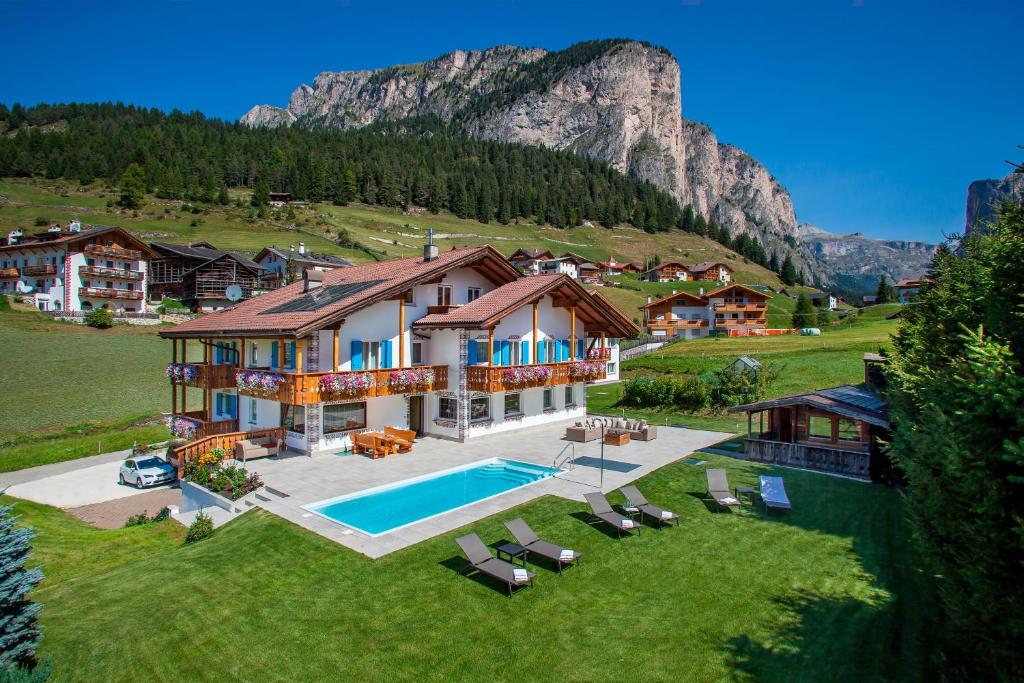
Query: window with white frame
[[549, 351], [549, 399], [447, 408], [610, 369], [254, 355], [371, 355], [444, 295], [417, 353], [343, 417], [515, 352], [410, 298], [482, 354], [472, 294], [479, 409], [293, 418], [513, 404], [252, 411], [570, 396]]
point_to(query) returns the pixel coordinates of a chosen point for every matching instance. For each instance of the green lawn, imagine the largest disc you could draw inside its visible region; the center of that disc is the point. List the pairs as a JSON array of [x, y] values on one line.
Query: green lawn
[[826, 592]]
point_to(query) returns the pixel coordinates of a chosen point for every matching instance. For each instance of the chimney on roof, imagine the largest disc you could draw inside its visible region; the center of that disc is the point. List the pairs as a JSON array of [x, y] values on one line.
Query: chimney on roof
[[702, 291], [430, 251], [302, 247], [673, 292], [648, 299], [291, 247], [312, 279]]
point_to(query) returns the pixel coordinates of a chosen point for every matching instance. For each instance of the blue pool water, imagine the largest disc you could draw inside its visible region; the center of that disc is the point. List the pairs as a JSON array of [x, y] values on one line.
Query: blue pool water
[[378, 511]]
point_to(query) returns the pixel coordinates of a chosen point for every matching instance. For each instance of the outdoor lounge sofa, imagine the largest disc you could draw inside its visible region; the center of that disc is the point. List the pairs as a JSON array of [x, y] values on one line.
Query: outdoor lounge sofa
[[403, 438], [646, 508], [481, 560], [526, 537], [602, 510], [247, 449], [718, 489], [583, 432], [589, 430], [773, 494]]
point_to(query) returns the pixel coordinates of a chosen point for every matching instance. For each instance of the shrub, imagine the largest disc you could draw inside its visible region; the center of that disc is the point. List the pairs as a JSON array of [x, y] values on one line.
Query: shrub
[[41, 221], [19, 630], [136, 520], [201, 527], [100, 318], [5, 303]]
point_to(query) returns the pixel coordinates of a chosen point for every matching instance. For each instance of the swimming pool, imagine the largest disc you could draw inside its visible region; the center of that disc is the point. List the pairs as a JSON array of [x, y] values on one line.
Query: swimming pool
[[386, 508]]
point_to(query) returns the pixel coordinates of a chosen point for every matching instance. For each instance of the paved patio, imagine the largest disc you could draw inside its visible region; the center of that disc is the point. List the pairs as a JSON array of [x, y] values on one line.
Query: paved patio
[[305, 480]]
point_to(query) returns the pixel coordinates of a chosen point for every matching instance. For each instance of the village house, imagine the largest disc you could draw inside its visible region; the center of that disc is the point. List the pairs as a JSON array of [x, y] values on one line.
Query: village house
[[76, 269], [671, 271], [713, 271], [691, 316], [453, 345], [613, 267], [274, 263], [824, 300], [907, 289], [527, 260]]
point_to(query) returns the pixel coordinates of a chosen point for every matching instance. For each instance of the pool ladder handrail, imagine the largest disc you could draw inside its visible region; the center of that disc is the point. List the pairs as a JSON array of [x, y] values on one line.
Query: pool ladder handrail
[[570, 459]]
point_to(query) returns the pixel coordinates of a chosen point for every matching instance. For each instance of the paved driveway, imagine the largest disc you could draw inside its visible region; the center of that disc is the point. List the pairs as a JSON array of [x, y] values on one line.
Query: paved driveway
[[84, 486]]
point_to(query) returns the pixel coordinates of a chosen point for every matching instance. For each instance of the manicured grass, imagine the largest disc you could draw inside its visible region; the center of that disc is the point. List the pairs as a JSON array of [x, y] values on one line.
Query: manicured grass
[[827, 592]]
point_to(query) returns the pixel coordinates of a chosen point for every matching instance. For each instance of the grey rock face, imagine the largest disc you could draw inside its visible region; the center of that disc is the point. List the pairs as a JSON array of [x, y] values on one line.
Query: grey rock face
[[857, 262], [984, 197], [623, 106], [267, 116]]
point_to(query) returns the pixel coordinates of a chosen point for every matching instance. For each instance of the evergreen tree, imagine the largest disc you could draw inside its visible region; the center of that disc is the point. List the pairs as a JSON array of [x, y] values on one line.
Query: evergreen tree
[[19, 632], [804, 314], [133, 187], [824, 316], [773, 264], [788, 271], [687, 222], [261, 193], [886, 292], [956, 400], [222, 196]]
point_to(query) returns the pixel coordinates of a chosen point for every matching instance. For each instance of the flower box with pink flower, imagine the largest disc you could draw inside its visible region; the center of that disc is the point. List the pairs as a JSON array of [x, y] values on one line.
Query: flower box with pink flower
[[258, 382], [336, 385]]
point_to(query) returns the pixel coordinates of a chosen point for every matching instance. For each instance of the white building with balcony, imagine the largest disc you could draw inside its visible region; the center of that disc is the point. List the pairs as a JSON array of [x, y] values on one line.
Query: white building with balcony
[[76, 269], [454, 345]]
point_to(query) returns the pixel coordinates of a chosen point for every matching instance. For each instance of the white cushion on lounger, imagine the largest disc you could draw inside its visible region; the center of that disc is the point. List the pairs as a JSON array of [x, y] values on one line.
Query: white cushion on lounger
[[627, 524], [729, 500], [665, 514], [567, 555], [520, 574]]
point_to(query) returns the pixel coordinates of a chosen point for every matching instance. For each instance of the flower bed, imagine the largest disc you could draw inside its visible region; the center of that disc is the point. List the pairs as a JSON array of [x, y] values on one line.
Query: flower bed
[[230, 481], [346, 384], [410, 377], [182, 372], [586, 369], [525, 374], [183, 427], [258, 382]]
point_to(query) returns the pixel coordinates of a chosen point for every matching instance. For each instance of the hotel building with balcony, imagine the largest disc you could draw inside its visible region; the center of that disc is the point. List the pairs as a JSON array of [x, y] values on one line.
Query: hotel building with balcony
[[453, 345], [76, 269], [691, 316]]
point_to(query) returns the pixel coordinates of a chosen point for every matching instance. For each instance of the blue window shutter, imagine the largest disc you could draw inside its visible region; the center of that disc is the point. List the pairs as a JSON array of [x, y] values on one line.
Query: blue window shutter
[[541, 358], [232, 406], [505, 353], [472, 352], [558, 350], [291, 347], [496, 353], [579, 349], [385, 353], [526, 352], [220, 404], [218, 354], [273, 355], [565, 350], [357, 354]]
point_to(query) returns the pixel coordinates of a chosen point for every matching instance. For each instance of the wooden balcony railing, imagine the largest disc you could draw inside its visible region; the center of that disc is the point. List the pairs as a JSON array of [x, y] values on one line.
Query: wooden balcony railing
[[855, 461], [9, 274], [112, 273], [106, 293], [739, 322], [306, 387], [491, 378], [210, 427], [733, 307], [205, 376], [113, 251], [180, 456], [40, 269]]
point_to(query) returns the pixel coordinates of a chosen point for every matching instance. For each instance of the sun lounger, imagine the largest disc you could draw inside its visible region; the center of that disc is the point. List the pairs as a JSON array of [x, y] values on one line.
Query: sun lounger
[[600, 509], [638, 501], [773, 494], [718, 488], [525, 536], [481, 560]]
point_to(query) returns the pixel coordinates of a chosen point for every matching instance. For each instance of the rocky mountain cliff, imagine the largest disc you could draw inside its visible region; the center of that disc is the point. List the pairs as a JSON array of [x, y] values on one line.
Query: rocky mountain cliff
[[616, 100], [985, 196], [857, 262]]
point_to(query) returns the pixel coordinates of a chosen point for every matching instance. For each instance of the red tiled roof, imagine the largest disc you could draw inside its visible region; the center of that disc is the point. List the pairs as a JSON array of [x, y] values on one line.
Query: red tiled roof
[[707, 265], [678, 295], [736, 286], [391, 279], [504, 299]]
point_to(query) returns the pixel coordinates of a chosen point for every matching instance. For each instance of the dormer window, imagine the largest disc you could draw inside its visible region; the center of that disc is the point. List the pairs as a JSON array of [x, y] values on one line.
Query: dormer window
[[444, 295]]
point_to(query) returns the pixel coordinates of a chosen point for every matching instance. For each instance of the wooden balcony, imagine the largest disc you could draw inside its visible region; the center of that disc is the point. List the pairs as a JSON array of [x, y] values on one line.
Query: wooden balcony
[[180, 456], [306, 388], [40, 269], [9, 274], [733, 307], [210, 427], [111, 273], [854, 462], [208, 376], [113, 251], [106, 293], [740, 322], [492, 378]]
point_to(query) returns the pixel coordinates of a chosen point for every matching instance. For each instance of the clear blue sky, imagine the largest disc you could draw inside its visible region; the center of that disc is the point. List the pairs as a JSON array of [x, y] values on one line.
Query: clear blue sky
[[875, 114]]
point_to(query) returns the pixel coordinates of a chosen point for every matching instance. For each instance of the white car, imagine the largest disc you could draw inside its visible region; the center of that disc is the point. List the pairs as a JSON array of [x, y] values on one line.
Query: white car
[[146, 470]]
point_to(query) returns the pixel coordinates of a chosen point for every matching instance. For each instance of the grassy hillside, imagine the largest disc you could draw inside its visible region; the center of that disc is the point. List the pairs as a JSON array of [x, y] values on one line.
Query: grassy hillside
[[827, 590]]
